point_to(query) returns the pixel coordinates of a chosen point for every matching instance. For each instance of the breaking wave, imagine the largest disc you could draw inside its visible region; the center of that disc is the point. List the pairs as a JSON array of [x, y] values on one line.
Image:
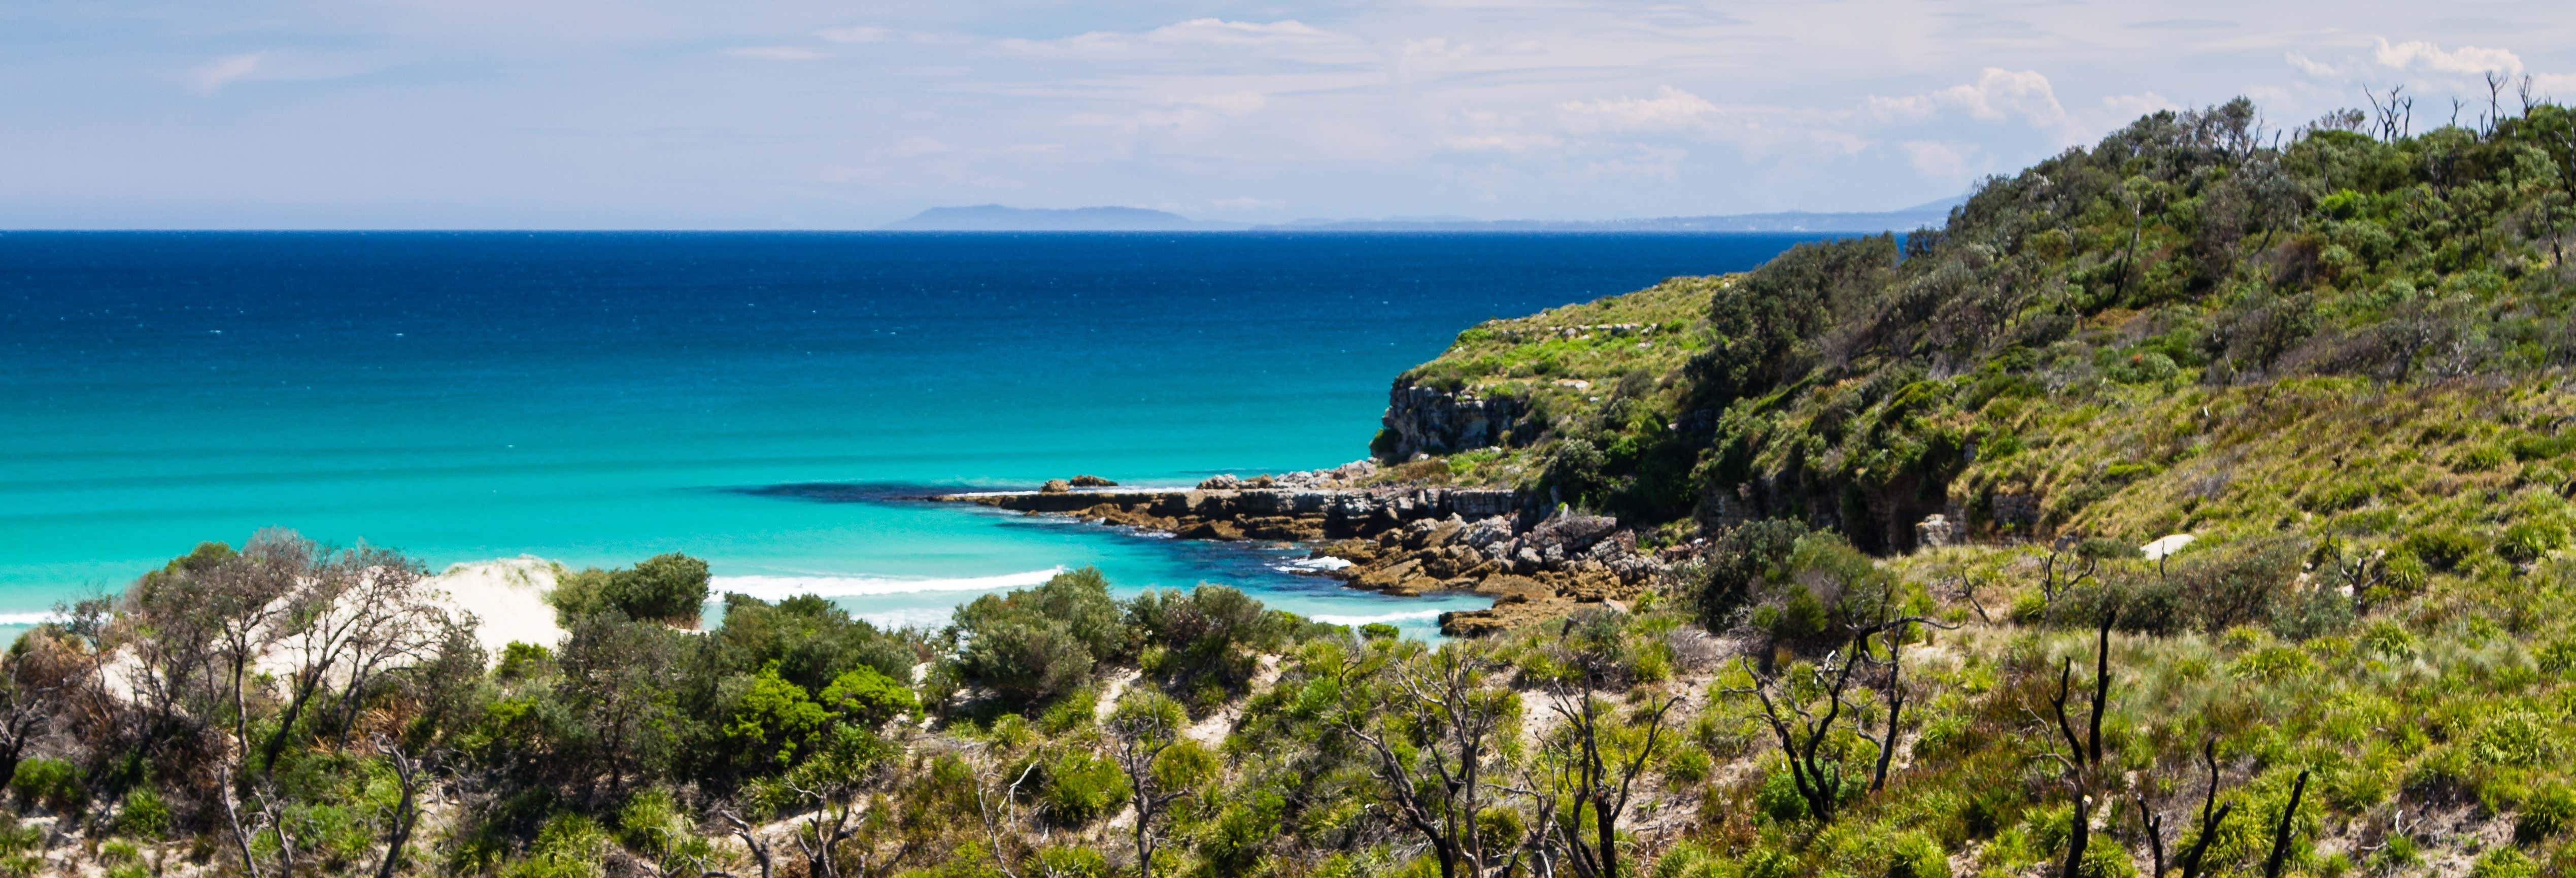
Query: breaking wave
[[771, 588]]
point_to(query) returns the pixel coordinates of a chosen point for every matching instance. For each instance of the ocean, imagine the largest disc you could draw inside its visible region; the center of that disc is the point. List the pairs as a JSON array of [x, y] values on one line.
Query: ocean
[[597, 398]]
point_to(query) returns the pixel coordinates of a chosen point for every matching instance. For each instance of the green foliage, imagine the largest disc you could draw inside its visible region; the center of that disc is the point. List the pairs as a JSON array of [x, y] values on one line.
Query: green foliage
[[1743, 565], [2504, 862], [664, 588], [2548, 811], [670, 588], [570, 846], [1208, 634], [52, 784], [869, 699], [1033, 644], [144, 814], [810, 640], [775, 720], [1082, 787], [523, 661]]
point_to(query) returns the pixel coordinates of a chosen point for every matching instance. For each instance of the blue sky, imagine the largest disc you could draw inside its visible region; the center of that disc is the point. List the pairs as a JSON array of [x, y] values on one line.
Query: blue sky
[[647, 114]]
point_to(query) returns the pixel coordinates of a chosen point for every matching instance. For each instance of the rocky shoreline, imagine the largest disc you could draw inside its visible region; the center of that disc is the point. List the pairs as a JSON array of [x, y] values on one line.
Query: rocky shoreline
[[1536, 563]]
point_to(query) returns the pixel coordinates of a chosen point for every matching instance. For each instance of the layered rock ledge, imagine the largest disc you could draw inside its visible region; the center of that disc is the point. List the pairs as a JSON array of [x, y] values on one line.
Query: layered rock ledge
[[1394, 539]]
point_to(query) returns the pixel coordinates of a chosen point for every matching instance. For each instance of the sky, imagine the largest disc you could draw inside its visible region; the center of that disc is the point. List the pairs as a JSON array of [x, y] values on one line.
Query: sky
[[615, 114]]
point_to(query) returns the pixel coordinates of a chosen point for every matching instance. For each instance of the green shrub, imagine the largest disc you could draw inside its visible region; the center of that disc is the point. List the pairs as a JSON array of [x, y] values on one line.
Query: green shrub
[[668, 588], [576, 594], [1074, 862], [1684, 860], [2479, 458], [774, 721], [1231, 844], [2548, 811], [52, 784], [2514, 738], [2526, 541], [2441, 548], [1916, 855], [1742, 563], [1209, 633], [1038, 643], [569, 846], [863, 697], [1688, 766], [522, 661], [1026, 660], [2106, 861], [144, 814], [1081, 787], [2504, 862]]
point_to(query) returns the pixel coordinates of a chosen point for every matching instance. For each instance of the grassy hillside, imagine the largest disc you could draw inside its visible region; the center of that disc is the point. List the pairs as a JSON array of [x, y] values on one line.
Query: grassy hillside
[[2180, 328]]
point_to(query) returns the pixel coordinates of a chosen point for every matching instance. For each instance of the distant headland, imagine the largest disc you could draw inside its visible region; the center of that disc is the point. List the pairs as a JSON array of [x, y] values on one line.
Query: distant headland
[[1000, 218]]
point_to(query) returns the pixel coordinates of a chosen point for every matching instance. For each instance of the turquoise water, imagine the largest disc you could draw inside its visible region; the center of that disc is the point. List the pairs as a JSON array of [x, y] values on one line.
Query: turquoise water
[[598, 398]]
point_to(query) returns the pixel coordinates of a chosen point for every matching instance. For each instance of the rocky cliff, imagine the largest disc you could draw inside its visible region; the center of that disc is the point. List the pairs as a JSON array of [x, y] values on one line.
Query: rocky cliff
[[1429, 420]]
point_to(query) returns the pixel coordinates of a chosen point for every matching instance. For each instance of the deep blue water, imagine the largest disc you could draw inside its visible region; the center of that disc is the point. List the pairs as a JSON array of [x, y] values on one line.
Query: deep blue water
[[597, 398]]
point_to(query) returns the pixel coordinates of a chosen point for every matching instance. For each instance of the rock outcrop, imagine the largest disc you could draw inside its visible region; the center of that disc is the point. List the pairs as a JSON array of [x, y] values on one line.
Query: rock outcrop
[[1428, 420], [1405, 540]]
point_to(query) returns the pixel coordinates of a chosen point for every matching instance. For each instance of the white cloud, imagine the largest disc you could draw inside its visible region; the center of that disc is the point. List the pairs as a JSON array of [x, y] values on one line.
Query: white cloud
[[918, 146], [2124, 108], [1202, 32], [1435, 50], [857, 34], [1997, 94], [2312, 67], [1646, 162], [1233, 103], [2417, 54], [228, 70], [1195, 112], [1503, 141], [776, 53], [1938, 160], [1670, 109], [1217, 31]]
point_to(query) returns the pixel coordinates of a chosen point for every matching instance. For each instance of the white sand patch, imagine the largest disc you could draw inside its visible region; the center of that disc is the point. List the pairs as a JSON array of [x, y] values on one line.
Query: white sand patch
[[1109, 695], [2165, 546], [508, 600]]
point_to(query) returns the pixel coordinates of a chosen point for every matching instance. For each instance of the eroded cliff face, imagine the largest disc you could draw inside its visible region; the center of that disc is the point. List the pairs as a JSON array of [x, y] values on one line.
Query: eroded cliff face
[[1428, 420]]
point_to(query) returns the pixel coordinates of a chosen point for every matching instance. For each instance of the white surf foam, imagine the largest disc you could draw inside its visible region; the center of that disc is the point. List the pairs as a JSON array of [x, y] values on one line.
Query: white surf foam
[[771, 588], [1388, 618], [1325, 565], [29, 618], [916, 617]]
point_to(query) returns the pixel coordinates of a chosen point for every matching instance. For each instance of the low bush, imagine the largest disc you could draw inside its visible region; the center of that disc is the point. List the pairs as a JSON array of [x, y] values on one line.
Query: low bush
[[52, 784]]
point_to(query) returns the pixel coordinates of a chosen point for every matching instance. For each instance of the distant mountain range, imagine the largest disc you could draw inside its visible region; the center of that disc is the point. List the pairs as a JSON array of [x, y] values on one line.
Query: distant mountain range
[[997, 218]]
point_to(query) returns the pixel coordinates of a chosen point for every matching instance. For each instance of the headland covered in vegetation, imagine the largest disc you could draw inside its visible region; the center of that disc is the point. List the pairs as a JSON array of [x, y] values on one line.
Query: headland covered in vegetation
[[2194, 503]]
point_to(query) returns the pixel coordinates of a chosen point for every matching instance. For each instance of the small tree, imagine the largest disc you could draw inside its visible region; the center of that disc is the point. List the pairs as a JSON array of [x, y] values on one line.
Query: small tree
[[1144, 726], [1432, 726], [670, 588], [618, 678]]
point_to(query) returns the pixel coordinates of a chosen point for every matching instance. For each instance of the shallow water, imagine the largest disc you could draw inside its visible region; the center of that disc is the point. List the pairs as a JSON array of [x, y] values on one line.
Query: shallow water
[[597, 398]]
